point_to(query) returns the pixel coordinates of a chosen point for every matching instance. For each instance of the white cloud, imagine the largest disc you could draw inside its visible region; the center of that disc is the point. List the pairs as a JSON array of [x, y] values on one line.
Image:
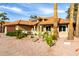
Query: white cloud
[[49, 10], [67, 7], [14, 9], [61, 11], [45, 10]]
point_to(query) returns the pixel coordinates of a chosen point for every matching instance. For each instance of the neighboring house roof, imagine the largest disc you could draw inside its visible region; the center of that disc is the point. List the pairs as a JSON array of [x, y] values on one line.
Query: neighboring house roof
[[47, 20]]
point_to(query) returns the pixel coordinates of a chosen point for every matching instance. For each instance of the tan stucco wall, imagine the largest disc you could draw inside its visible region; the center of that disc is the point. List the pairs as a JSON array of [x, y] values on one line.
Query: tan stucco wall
[[25, 28], [5, 31], [18, 27]]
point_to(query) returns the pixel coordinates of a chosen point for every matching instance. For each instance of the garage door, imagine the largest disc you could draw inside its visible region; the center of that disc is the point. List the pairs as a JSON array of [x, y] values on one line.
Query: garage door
[[10, 28]]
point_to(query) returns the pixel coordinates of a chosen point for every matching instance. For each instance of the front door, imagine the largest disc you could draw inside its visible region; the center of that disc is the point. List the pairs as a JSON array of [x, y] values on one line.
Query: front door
[[48, 28], [62, 28]]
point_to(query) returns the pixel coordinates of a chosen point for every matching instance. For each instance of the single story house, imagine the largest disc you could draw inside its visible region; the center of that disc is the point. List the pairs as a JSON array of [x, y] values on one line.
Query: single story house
[[19, 25], [42, 24]]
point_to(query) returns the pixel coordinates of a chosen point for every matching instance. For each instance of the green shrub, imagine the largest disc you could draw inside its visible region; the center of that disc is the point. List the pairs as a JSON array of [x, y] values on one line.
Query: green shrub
[[11, 33], [45, 34], [49, 38], [17, 33], [21, 35]]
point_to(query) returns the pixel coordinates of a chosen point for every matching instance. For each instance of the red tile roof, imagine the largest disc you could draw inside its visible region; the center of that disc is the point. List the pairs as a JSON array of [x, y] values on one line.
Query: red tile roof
[[21, 22], [63, 21], [4, 22], [50, 20]]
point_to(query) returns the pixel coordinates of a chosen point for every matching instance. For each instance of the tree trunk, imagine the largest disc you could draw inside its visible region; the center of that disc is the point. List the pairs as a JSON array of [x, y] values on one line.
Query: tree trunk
[[56, 19], [2, 28], [77, 24], [71, 30]]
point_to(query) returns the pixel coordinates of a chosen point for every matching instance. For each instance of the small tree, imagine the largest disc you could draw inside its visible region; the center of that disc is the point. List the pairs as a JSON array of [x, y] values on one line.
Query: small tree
[[3, 17], [33, 17]]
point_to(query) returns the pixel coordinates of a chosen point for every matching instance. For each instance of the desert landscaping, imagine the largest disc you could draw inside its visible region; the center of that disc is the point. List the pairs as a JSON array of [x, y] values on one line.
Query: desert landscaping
[[10, 46]]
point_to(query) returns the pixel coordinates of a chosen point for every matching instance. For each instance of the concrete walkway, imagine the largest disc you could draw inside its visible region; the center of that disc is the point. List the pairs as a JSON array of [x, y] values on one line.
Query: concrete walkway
[[66, 47]]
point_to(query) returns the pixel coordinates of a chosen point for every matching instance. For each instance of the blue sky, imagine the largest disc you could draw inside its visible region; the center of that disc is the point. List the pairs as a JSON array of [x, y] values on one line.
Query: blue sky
[[17, 11]]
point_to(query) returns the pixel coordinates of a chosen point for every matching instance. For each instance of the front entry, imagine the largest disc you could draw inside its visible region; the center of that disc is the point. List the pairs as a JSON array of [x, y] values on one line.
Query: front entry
[[48, 28], [62, 28]]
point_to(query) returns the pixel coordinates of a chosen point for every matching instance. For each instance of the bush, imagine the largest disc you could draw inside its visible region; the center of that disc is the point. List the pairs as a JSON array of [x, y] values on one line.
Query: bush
[[21, 35], [11, 33], [45, 34], [17, 33], [49, 38]]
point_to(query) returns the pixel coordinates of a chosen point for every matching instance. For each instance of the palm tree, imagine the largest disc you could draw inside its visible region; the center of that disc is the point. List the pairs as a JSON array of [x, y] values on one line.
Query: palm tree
[[77, 23], [33, 17], [71, 30], [56, 19], [55, 10], [3, 17]]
